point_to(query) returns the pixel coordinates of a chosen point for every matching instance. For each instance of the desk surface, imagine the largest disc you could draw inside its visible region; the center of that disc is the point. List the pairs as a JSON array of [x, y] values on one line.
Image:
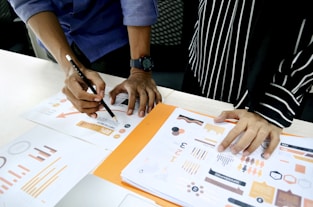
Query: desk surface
[[26, 81]]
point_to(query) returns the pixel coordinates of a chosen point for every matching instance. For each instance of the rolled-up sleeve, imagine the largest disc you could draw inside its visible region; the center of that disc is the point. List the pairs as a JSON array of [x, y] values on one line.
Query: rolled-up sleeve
[[27, 8], [139, 12]]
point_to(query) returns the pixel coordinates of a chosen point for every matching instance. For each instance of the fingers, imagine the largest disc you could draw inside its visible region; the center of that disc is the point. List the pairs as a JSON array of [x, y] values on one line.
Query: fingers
[[143, 88], [124, 88], [249, 133], [154, 97], [274, 141], [143, 100], [75, 90], [234, 133], [97, 81], [259, 132], [147, 99], [230, 138], [115, 91], [137, 85], [132, 97], [88, 106]]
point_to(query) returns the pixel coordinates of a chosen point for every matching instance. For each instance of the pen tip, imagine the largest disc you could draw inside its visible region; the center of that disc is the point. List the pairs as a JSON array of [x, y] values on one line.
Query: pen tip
[[115, 119]]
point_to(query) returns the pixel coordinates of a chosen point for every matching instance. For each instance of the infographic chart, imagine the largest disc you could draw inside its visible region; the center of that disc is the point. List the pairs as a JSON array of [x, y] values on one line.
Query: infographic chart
[[58, 113], [41, 166], [181, 164]]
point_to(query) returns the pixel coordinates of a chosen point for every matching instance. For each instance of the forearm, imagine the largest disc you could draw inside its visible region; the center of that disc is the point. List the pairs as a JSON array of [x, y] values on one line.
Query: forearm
[[139, 41], [46, 27]]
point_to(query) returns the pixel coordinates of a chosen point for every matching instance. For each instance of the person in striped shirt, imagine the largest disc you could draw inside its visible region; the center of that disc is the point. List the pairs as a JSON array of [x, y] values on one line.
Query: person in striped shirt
[[256, 55]]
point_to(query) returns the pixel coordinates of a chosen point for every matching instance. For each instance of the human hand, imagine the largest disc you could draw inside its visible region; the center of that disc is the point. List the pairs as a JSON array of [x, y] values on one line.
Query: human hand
[[75, 90], [255, 130], [139, 84]]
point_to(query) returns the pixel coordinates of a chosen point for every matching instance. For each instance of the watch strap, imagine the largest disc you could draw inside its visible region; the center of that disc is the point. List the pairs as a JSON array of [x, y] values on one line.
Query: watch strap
[[144, 63], [136, 63]]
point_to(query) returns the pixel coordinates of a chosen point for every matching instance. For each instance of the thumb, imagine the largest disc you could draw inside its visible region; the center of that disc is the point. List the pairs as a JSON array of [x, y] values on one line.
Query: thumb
[[221, 117], [234, 114]]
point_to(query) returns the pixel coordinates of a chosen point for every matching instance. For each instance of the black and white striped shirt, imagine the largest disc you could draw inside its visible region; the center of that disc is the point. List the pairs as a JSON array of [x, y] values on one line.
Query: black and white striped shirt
[[242, 53]]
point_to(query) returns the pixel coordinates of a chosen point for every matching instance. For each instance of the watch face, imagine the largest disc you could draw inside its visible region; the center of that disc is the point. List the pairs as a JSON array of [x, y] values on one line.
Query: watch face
[[147, 63]]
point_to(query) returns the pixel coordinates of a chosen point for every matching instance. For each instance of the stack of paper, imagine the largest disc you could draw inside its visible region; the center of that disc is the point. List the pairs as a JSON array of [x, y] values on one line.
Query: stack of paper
[[179, 162]]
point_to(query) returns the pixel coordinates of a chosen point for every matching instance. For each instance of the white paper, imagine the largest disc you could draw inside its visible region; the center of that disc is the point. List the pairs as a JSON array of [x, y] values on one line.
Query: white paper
[[41, 166], [181, 164], [58, 113]]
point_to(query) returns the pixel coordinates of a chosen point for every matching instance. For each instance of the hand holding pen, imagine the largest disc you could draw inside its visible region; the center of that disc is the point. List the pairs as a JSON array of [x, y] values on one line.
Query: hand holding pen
[[89, 84]]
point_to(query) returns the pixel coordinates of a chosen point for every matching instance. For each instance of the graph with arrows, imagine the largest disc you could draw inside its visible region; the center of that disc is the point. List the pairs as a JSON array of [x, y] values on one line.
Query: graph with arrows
[[59, 114]]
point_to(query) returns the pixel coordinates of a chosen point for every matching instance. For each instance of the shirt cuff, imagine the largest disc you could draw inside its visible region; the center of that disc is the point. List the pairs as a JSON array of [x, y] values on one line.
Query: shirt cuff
[[278, 106]]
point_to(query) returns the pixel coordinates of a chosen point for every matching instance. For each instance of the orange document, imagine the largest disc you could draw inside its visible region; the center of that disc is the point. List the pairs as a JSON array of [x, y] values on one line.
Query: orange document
[[113, 165]]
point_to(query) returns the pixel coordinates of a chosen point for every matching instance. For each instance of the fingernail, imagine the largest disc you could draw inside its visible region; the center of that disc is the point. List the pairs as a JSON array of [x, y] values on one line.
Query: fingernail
[[220, 148], [233, 151], [142, 114], [130, 111], [94, 116], [265, 155], [97, 99], [246, 153]]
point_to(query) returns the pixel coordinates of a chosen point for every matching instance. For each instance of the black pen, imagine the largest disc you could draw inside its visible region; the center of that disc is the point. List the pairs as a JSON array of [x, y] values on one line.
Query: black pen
[[87, 81]]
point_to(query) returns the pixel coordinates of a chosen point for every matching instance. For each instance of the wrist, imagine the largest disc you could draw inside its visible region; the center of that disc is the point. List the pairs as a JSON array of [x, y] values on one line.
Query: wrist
[[139, 73], [68, 67], [134, 70], [144, 63]]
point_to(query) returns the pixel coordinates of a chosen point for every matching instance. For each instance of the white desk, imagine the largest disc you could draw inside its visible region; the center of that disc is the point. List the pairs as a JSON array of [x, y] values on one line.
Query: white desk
[[25, 81]]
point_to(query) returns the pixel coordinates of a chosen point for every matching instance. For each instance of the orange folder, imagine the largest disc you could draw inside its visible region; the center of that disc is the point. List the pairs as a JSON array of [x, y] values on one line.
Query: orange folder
[[111, 168]]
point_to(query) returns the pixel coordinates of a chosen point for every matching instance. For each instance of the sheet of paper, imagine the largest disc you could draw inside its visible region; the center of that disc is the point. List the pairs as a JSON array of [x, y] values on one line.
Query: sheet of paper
[[112, 166], [58, 113], [41, 166], [181, 164]]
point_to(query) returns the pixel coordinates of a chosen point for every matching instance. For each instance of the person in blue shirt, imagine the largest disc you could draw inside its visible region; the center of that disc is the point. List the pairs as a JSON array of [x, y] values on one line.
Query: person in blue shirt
[[100, 36]]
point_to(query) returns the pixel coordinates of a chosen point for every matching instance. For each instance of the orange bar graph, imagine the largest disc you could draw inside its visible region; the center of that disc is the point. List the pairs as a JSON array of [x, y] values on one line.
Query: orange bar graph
[[43, 179], [6, 181]]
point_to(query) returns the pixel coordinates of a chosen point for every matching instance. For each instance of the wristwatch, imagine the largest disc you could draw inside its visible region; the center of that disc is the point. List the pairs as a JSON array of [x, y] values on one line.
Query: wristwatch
[[144, 62]]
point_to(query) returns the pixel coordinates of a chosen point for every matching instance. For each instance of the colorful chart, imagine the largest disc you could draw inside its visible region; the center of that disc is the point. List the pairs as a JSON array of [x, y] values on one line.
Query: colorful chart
[[181, 164], [41, 166], [58, 113]]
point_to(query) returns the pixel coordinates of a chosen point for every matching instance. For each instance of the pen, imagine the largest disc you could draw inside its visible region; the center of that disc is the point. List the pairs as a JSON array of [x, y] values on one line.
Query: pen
[[86, 80]]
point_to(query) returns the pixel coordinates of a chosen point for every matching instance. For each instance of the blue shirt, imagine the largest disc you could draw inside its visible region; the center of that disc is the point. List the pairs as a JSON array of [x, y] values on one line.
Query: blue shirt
[[96, 26]]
